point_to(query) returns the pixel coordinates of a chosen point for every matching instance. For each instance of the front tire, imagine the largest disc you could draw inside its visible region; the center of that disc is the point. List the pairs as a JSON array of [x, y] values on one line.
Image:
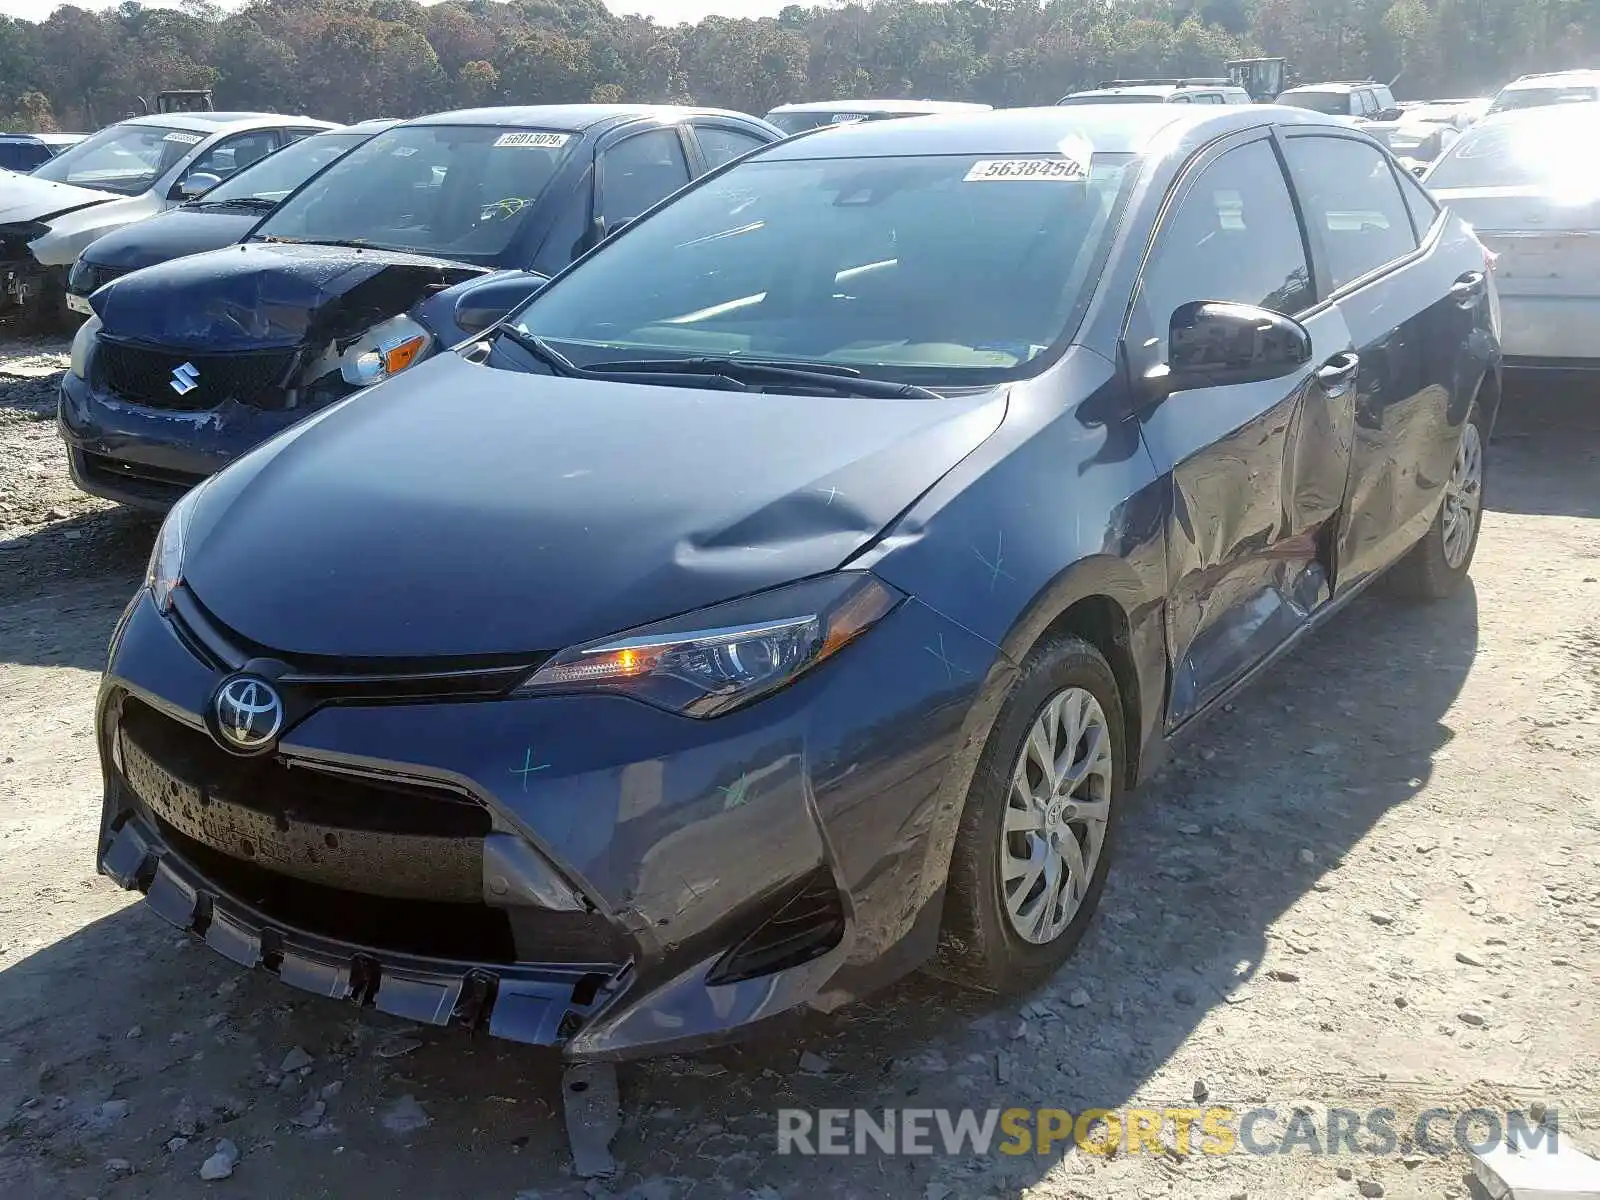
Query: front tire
[[1437, 566], [1035, 839]]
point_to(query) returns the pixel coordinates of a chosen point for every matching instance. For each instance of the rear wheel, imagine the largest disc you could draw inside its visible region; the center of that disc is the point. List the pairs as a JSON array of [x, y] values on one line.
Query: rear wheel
[[1034, 844], [1438, 564]]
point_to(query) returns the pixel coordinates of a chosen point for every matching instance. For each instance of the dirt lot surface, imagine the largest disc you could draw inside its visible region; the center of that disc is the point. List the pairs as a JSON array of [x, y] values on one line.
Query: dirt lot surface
[[1372, 883]]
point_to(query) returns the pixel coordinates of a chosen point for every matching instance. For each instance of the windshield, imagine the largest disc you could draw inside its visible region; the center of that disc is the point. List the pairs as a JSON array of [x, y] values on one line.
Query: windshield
[[455, 191], [1529, 152], [121, 158], [1542, 97], [275, 176], [1333, 104], [945, 271]]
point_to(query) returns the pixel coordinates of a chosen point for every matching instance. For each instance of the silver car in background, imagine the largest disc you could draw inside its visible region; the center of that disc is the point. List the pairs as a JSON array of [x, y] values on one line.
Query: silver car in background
[[1528, 182]]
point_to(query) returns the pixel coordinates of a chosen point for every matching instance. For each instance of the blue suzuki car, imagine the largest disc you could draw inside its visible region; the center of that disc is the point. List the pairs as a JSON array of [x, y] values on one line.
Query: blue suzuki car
[[430, 231], [790, 593]]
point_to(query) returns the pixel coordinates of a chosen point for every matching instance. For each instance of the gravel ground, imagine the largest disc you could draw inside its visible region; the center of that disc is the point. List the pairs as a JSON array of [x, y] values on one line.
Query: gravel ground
[[1371, 883]]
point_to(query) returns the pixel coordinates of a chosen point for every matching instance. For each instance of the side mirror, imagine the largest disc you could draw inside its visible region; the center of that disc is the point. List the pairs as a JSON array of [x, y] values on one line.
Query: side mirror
[[196, 184], [483, 306], [1419, 169], [1391, 114], [1215, 344]]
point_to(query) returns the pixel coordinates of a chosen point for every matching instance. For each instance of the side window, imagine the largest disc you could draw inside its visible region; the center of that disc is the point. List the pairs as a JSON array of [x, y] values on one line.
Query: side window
[[1207, 98], [1369, 103], [1234, 237], [291, 136], [570, 232], [639, 171], [235, 153], [719, 144], [1352, 202], [1180, 100], [1423, 210]]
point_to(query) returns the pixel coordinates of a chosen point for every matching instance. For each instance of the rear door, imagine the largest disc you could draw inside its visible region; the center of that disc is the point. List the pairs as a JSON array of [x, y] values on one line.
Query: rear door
[[1257, 470], [1395, 293]]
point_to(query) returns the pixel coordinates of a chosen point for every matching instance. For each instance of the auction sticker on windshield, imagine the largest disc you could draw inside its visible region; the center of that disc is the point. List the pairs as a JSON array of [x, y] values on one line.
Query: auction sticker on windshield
[[541, 141], [1053, 170], [185, 139]]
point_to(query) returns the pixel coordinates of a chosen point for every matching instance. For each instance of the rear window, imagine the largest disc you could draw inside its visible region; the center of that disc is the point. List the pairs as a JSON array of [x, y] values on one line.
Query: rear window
[[1117, 98], [941, 270], [1530, 152], [1334, 104], [799, 122]]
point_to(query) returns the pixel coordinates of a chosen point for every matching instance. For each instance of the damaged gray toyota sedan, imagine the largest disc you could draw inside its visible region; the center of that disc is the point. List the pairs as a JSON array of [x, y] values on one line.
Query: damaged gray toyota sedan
[[788, 595]]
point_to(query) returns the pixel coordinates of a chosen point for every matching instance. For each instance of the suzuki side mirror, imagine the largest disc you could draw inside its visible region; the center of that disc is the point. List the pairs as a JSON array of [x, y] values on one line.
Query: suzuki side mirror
[[1215, 344], [490, 301], [195, 184], [1391, 114]]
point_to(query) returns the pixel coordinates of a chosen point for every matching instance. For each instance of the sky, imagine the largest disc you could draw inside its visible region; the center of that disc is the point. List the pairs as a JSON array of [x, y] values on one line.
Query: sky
[[665, 11]]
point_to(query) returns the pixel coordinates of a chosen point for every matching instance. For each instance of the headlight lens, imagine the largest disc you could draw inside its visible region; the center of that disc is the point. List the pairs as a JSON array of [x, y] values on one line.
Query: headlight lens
[[165, 571], [713, 661], [83, 346], [386, 349]]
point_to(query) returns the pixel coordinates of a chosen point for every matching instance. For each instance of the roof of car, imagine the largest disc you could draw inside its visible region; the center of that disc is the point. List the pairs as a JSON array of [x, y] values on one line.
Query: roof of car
[[376, 125], [212, 122], [575, 118], [1585, 113], [1579, 75], [1161, 90], [1108, 128], [1336, 85], [908, 107]]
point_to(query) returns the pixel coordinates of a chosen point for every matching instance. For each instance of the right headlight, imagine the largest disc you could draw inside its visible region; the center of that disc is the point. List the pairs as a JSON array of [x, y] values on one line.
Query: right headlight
[[83, 346], [165, 571], [713, 661]]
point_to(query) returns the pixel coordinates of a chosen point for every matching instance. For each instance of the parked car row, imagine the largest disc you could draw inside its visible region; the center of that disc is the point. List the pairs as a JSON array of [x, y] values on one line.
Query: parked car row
[[764, 564]]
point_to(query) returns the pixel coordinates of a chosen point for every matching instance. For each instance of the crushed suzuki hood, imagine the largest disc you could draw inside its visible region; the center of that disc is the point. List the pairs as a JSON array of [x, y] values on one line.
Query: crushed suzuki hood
[[262, 295], [462, 510], [25, 198]]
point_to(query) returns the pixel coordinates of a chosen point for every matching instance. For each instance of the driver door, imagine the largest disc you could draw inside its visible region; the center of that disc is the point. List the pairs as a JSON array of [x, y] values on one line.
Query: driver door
[[1257, 471]]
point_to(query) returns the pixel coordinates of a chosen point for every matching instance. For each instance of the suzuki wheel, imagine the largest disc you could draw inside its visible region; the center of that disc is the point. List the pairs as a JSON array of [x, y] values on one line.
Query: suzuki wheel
[[1035, 838]]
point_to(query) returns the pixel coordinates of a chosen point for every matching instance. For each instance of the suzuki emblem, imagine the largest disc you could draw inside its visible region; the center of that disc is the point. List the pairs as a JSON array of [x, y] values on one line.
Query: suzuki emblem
[[185, 379]]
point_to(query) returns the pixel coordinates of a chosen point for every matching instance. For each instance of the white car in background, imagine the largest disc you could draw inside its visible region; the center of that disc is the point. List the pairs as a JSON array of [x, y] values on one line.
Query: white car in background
[[797, 118], [1529, 183], [125, 173], [1548, 89]]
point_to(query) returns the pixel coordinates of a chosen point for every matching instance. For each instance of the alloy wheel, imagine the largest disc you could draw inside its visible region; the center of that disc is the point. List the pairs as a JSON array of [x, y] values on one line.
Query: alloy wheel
[[1056, 812], [1463, 497]]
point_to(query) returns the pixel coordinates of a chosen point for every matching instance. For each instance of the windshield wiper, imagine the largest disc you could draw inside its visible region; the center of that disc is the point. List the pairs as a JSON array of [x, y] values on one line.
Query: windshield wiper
[[236, 202], [558, 362], [843, 381]]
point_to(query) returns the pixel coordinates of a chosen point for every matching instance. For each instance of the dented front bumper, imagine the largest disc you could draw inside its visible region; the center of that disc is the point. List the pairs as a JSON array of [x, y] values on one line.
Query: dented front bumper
[[613, 879]]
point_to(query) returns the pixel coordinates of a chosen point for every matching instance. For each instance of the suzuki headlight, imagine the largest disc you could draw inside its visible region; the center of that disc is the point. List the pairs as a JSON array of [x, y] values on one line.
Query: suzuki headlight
[[83, 343], [165, 571], [386, 349], [715, 660]]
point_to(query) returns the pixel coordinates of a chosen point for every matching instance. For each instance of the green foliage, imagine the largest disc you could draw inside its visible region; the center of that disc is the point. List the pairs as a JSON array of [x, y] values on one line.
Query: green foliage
[[347, 59]]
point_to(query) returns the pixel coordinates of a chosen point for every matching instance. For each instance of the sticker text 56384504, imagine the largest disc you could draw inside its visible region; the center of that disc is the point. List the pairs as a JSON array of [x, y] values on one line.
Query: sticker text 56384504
[[1017, 170]]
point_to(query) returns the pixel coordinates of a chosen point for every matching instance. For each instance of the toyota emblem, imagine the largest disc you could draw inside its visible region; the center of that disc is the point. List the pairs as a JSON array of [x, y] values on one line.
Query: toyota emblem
[[249, 714]]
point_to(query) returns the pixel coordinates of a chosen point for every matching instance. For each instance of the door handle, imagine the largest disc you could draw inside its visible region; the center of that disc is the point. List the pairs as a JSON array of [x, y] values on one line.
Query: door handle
[[1468, 290], [1337, 374]]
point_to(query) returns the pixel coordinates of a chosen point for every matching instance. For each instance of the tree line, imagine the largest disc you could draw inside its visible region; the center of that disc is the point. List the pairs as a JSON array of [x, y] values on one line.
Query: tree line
[[352, 59]]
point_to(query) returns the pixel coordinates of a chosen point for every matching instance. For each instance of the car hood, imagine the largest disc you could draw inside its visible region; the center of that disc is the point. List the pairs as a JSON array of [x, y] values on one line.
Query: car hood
[[26, 198], [461, 510], [262, 295], [173, 234]]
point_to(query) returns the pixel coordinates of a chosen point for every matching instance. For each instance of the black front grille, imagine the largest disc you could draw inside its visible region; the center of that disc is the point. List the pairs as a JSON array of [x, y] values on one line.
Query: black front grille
[[148, 376], [86, 278]]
